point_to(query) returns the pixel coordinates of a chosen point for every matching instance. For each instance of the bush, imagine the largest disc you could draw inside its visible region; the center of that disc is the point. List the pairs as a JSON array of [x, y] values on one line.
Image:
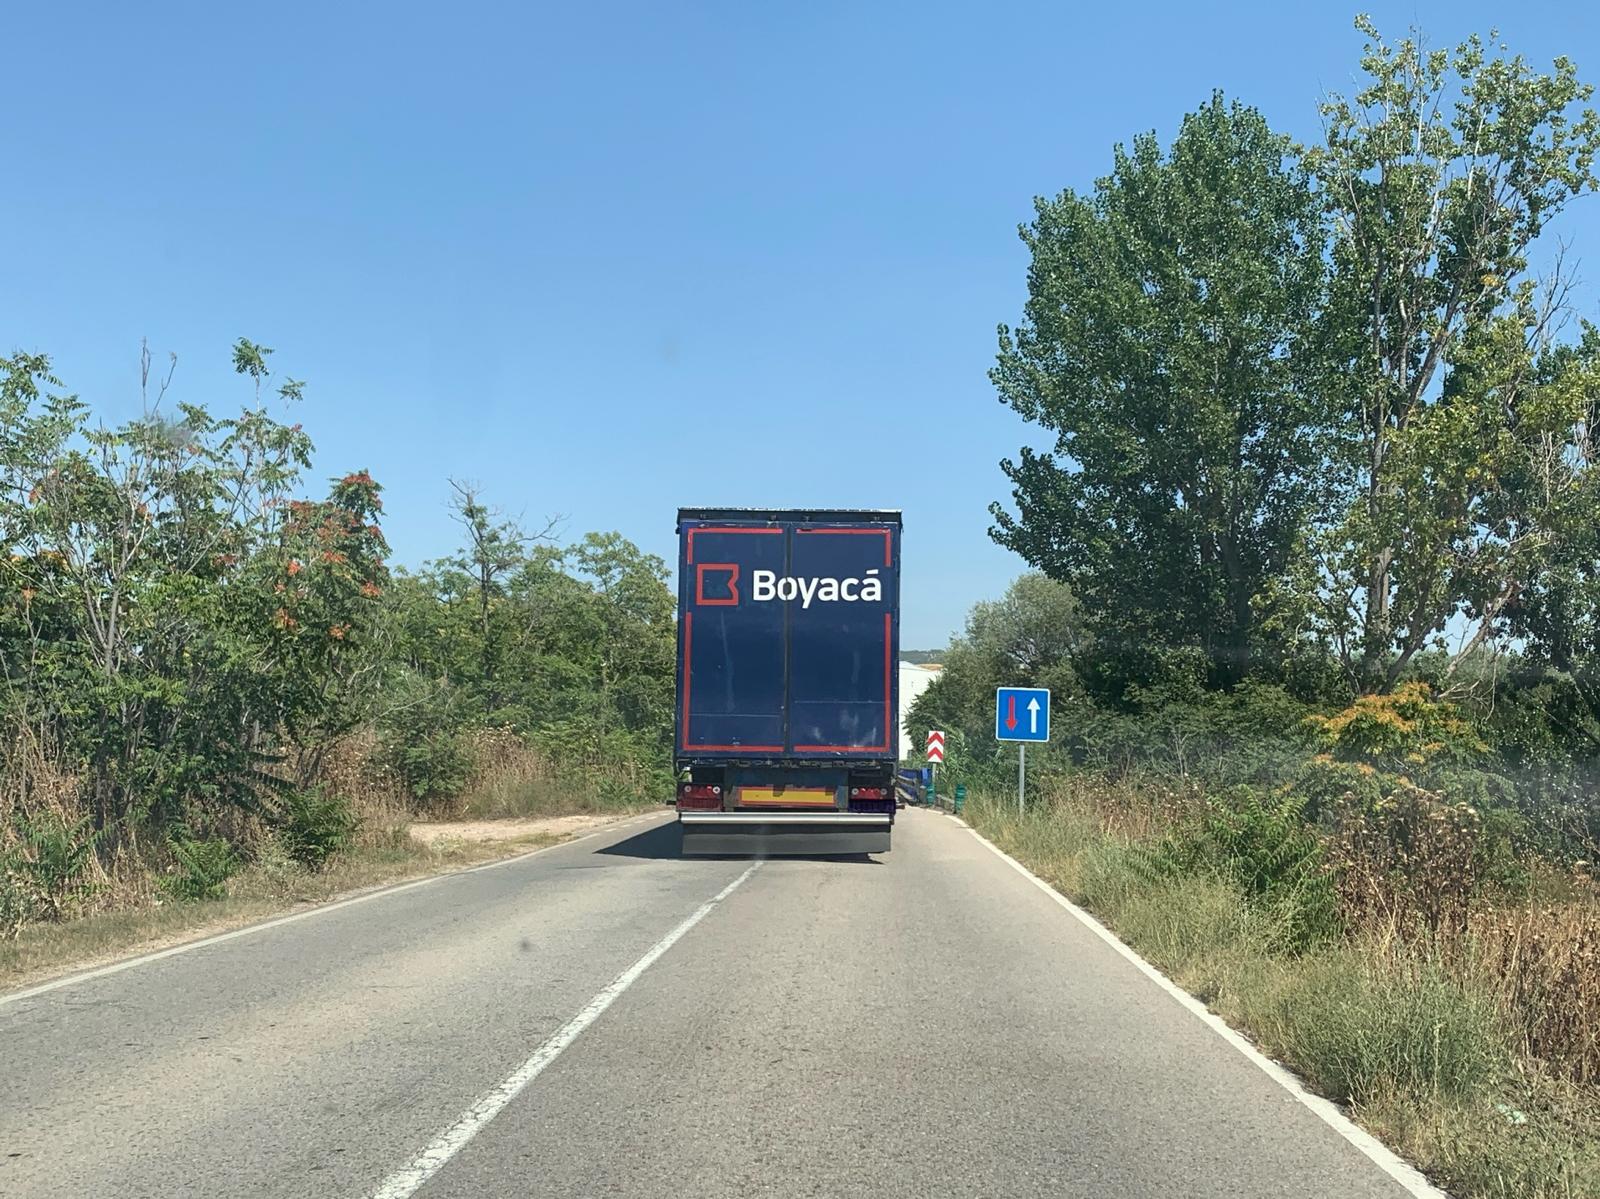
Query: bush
[[315, 826], [1404, 732], [1409, 862], [275, 867], [423, 742], [434, 766], [1278, 861], [47, 873], [202, 868], [1323, 784]]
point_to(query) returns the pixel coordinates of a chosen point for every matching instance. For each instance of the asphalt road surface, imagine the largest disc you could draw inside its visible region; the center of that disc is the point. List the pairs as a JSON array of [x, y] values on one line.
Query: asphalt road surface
[[607, 1018]]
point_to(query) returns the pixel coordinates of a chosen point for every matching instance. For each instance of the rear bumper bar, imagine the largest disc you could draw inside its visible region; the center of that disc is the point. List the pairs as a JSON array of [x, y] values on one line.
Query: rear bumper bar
[[776, 834], [739, 819]]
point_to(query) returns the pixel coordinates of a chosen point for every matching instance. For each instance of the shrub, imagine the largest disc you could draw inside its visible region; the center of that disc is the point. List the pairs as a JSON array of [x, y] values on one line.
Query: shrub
[[1408, 862], [202, 868], [621, 789], [276, 867], [434, 765], [47, 873], [314, 826], [1403, 732], [422, 740], [14, 907], [1323, 783], [1276, 858]]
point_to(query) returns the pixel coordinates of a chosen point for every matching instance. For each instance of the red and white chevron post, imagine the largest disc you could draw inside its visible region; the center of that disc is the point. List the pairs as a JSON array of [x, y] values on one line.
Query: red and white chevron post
[[935, 746]]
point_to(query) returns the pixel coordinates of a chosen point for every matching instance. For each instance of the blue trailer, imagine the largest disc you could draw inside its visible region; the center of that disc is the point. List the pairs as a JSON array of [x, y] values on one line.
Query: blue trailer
[[787, 710]]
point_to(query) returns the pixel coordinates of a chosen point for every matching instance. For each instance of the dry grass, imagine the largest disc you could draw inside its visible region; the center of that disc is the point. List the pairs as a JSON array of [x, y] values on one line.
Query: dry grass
[[509, 780], [33, 780], [512, 780], [355, 769]]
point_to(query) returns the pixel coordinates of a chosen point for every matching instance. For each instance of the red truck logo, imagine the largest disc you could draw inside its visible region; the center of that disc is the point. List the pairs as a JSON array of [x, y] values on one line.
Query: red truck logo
[[730, 579]]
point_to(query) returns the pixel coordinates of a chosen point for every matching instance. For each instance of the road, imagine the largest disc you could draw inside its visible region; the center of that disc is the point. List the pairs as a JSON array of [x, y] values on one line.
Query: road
[[926, 1024]]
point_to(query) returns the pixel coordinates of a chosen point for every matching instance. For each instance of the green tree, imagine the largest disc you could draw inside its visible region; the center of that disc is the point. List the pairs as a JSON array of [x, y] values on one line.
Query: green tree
[[1440, 175], [494, 549], [1169, 343], [1028, 637], [317, 593], [581, 639], [637, 643], [1557, 614], [178, 624]]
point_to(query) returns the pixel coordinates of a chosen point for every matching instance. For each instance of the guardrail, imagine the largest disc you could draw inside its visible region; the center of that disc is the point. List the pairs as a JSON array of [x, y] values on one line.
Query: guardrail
[[912, 787]]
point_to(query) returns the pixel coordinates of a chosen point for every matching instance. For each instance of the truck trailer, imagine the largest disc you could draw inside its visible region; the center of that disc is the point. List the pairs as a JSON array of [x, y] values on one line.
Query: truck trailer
[[787, 714]]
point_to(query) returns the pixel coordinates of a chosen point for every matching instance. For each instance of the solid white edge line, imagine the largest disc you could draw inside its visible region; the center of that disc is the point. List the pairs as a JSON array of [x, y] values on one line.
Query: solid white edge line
[[404, 1182], [317, 910], [1403, 1172]]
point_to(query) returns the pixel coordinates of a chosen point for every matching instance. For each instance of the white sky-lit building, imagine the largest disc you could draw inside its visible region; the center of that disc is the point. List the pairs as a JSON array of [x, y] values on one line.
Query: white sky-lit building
[[914, 681]]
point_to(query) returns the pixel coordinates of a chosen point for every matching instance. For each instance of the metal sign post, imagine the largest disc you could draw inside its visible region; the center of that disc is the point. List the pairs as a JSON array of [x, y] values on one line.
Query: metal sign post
[[1022, 774]]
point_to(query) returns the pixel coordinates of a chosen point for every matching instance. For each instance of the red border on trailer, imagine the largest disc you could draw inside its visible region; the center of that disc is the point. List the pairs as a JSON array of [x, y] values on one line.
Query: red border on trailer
[[888, 648], [688, 643], [888, 644]]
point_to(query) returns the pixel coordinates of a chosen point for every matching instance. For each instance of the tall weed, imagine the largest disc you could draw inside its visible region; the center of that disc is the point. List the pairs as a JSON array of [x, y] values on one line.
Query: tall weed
[[313, 826], [48, 872], [201, 868], [1543, 963]]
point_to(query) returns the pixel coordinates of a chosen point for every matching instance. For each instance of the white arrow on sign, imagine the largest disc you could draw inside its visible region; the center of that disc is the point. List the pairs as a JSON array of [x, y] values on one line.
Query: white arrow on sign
[[1033, 715]]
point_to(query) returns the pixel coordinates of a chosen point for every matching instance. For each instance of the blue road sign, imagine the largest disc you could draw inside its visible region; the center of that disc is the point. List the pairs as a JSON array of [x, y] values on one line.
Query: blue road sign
[[1022, 714]]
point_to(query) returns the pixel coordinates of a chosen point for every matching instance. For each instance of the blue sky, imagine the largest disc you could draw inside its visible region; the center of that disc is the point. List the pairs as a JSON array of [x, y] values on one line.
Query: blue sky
[[606, 259]]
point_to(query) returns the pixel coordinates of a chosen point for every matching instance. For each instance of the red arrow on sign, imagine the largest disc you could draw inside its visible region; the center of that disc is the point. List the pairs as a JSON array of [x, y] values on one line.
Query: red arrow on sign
[[1011, 711]]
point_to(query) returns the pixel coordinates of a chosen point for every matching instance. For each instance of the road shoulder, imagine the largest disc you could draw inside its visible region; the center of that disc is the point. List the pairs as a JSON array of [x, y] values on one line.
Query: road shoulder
[[50, 955]]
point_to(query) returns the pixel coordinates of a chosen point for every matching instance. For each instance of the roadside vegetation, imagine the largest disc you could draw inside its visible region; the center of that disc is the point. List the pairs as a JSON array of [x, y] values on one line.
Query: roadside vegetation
[[215, 691], [1315, 582], [1317, 593]]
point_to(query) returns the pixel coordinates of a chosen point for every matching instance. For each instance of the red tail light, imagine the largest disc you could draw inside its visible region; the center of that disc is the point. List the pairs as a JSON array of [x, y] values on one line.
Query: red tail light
[[871, 799], [699, 797]]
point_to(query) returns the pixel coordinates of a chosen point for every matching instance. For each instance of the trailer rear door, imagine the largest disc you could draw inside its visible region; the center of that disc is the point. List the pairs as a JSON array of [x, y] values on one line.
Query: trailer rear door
[[788, 634]]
